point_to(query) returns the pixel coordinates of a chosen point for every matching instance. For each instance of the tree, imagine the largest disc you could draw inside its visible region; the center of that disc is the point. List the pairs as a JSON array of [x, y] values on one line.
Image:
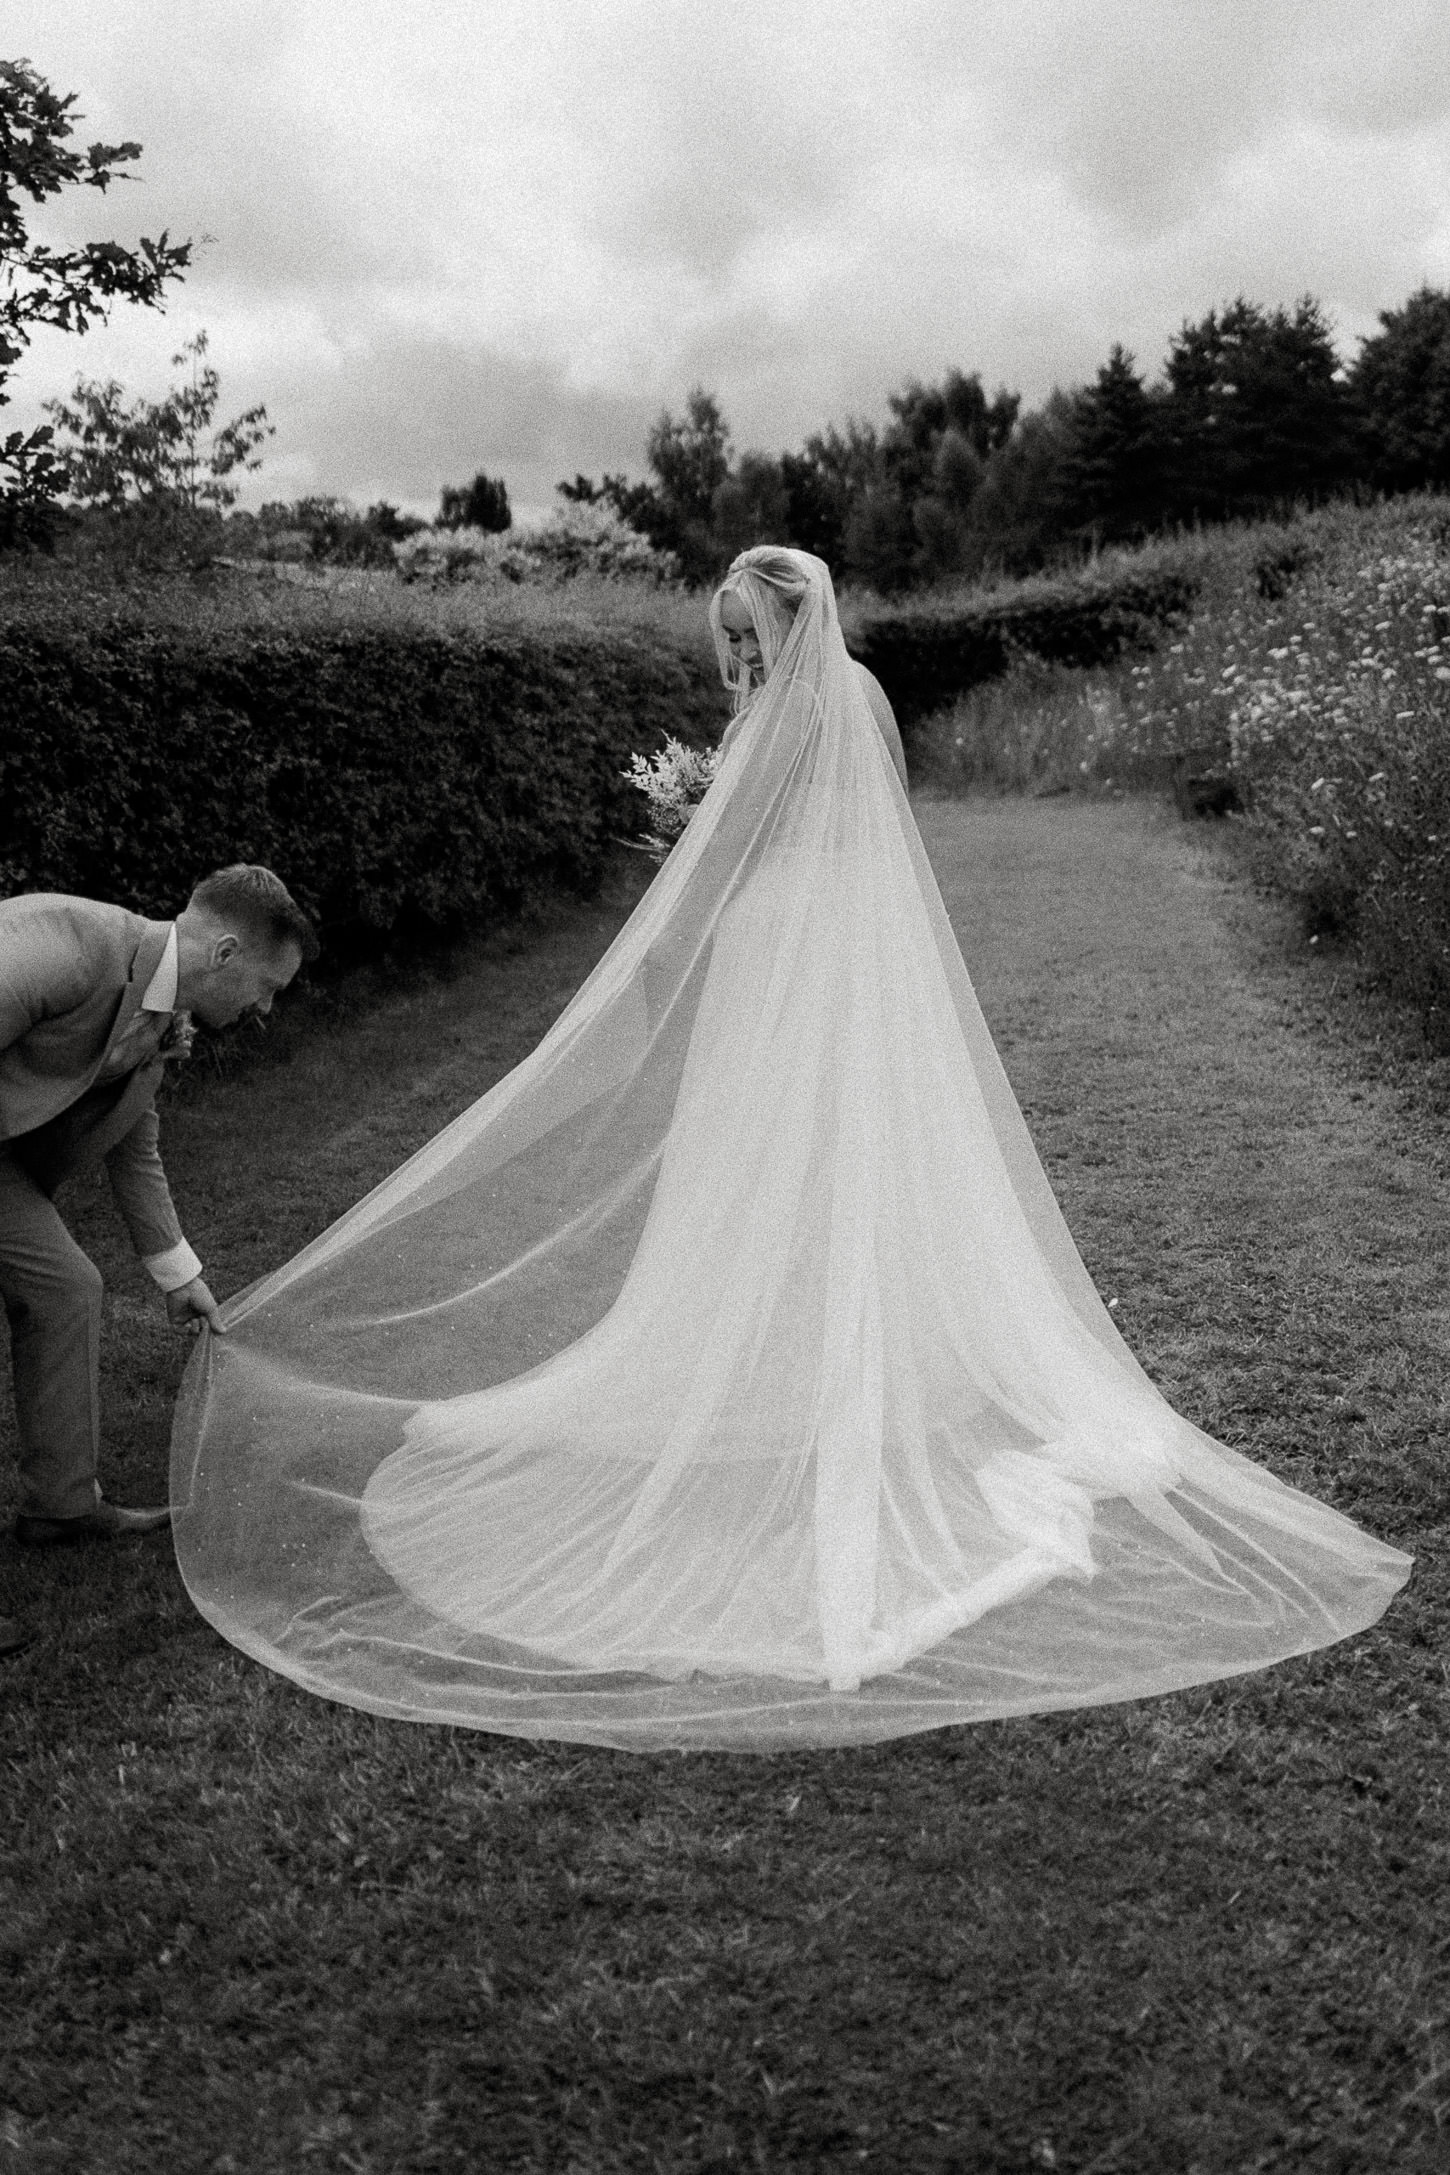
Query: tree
[[163, 451], [390, 523], [880, 538], [926, 413], [68, 289], [823, 482], [330, 530], [161, 464], [1016, 521], [482, 504], [751, 506], [1111, 484], [1401, 386], [690, 457], [941, 515], [639, 504], [913, 524], [1258, 414]]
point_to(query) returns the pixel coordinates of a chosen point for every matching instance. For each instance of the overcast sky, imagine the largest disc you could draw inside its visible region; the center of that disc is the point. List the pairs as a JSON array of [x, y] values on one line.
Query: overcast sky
[[441, 235]]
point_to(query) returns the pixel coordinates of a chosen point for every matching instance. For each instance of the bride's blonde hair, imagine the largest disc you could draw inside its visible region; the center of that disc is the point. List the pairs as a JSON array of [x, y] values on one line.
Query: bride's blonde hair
[[770, 582]]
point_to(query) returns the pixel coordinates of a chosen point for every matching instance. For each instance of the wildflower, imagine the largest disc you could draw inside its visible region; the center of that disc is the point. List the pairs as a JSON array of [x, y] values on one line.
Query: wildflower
[[674, 782]]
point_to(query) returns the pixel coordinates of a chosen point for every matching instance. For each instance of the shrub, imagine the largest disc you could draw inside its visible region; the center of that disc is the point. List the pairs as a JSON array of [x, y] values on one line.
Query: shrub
[[1322, 695], [326, 531], [450, 554], [1310, 692], [1035, 729], [577, 541], [927, 653], [1338, 718], [402, 778]]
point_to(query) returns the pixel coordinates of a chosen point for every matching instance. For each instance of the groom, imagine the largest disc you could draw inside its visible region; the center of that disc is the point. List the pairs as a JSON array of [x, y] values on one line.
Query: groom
[[92, 1001]]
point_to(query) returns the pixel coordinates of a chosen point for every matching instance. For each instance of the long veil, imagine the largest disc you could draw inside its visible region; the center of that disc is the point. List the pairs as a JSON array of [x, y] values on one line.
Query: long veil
[[727, 1374]]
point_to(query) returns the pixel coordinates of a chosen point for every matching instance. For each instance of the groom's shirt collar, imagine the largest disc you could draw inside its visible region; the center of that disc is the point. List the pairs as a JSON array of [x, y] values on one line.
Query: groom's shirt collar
[[159, 994]]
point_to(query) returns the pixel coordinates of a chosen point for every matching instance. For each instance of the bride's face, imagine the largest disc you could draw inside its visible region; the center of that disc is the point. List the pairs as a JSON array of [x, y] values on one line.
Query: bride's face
[[739, 631]]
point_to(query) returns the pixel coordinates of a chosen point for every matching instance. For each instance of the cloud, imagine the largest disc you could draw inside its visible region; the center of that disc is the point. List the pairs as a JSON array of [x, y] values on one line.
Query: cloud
[[487, 232], [408, 414]]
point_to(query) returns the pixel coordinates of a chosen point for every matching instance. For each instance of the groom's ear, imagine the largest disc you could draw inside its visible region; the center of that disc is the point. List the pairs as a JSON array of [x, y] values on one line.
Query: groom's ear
[[224, 949]]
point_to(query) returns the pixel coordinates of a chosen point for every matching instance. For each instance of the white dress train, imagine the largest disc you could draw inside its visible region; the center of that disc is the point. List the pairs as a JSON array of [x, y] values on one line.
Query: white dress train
[[727, 1376]]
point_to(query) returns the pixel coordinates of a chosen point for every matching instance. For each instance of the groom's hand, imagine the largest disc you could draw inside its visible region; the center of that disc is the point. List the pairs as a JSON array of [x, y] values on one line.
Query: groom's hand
[[191, 1305]]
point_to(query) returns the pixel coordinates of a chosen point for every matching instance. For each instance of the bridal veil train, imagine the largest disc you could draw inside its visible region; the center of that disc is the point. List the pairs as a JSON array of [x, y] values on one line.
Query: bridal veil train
[[727, 1376]]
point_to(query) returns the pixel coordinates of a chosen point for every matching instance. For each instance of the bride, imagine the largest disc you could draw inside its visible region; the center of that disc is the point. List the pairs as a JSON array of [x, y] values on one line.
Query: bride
[[727, 1374]]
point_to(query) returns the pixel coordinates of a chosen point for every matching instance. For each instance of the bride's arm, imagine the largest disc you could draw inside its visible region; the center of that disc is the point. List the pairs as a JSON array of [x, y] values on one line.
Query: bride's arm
[[885, 718]]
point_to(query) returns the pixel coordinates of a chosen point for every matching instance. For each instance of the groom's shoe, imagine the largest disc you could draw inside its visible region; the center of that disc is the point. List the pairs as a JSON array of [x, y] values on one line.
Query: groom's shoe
[[12, 1638], [107, 1522]]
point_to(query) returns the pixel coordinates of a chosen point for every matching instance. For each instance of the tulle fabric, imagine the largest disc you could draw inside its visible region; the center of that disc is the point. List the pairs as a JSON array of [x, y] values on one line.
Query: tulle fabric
[[727, 1376]]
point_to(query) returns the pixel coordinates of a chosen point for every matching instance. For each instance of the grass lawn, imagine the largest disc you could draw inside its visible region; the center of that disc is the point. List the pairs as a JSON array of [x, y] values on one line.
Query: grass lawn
[[246, 1932]]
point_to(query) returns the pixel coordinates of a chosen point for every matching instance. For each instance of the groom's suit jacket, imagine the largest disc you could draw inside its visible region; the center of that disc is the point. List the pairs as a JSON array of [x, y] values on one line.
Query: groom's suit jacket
[[72, 976]]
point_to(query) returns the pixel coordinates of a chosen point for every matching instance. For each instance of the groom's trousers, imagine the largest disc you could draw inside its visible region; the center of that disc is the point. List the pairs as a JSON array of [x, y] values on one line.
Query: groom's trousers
[[52, 1296], [51, 1289]]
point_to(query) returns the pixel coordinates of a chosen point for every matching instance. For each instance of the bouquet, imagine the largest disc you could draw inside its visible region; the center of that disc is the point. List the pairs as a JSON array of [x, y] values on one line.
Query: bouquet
[[674, 783]]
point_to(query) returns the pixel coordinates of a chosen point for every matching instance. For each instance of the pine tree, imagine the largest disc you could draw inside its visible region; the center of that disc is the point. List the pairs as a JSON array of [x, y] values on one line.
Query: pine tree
[[1401, 385], [1111, 484], [1258, 414]]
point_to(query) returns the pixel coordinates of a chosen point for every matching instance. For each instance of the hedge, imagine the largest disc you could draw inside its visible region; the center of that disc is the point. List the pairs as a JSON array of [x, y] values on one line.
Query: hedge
[[402, 780], [926, 655]]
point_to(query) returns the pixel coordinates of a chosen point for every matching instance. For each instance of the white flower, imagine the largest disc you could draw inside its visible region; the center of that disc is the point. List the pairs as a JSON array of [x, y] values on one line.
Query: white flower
[[674, 782]]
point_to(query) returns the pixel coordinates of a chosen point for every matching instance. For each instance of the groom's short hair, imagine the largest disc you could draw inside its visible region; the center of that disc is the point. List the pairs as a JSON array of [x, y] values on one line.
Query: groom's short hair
[[259, 905]]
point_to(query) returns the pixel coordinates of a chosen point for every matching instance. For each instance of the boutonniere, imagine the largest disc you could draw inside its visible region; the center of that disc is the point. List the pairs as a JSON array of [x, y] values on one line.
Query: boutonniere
[[175, 1044]]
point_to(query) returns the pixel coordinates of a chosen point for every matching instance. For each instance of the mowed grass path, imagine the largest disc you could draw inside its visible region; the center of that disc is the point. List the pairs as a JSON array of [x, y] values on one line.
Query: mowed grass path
[[247, 1932]]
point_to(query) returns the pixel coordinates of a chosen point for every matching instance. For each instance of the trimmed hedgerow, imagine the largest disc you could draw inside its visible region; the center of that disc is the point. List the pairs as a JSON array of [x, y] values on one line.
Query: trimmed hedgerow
[[926, 654], [403, 780]]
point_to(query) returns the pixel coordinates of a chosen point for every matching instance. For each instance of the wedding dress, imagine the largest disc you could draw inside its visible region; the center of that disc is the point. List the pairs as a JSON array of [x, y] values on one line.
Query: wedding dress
[[727, 1375]]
